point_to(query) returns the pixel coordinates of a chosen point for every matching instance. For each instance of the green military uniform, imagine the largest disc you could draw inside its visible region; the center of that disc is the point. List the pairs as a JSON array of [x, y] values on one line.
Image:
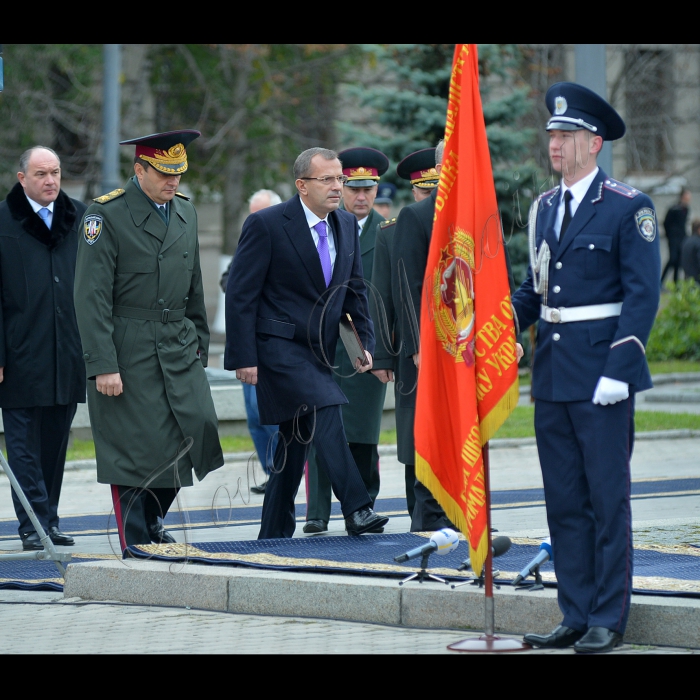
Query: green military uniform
[[140, 308], [362, 416]]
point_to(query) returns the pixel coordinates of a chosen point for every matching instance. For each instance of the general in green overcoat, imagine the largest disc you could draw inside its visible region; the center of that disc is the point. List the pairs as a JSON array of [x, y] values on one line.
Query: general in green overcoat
[[140, 309]]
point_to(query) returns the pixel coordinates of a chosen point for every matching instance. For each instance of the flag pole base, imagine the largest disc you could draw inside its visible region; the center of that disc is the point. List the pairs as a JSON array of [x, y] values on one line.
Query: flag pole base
[[489, 643]]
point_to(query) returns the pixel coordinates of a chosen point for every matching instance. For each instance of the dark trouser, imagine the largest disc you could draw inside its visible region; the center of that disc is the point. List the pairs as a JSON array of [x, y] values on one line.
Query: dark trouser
[[585, 452], [410, 480], [137, 508], [333, 455], [428, 515], [675, 246], [318, 505], [36, 440]]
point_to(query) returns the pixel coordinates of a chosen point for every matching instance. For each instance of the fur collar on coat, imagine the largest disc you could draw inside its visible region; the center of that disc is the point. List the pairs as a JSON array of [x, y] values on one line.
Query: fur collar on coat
[[64, 214]]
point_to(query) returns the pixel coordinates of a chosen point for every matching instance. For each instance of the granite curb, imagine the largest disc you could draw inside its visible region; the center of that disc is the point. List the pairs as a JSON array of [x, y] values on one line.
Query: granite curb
[[654, 620]]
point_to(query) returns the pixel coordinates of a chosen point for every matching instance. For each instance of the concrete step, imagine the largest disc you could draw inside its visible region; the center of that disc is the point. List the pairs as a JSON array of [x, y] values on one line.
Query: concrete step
[[654, 620]]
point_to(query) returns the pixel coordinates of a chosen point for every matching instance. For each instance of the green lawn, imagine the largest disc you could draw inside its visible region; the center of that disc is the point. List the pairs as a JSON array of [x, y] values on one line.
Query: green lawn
[[520, 423]]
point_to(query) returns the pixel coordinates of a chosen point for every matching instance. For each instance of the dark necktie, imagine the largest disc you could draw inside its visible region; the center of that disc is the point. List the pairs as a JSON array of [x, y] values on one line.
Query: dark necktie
[[567, 213]]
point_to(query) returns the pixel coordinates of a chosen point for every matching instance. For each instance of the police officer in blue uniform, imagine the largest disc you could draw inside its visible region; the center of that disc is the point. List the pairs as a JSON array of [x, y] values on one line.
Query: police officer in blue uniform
[[593, 287]]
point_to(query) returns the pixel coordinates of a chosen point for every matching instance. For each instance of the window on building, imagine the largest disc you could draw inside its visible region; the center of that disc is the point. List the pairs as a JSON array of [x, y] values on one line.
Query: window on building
[[648, 110]]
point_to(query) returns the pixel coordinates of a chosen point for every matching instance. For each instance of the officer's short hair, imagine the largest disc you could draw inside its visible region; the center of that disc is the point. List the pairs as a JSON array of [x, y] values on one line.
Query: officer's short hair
[[439, 151], [144, 163], [24, 158], [695, 227], [302, 165]]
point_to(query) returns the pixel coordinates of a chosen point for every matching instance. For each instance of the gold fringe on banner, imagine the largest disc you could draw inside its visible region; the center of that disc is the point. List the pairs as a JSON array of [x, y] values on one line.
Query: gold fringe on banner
[[498, 414]]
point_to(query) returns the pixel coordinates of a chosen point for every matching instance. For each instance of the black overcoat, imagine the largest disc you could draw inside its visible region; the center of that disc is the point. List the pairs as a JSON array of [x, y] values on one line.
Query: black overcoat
[[39, 341], [281, 318]]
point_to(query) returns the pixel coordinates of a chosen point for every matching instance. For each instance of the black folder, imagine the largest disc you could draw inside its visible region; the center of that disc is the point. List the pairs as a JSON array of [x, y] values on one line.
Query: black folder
[[351, 341]]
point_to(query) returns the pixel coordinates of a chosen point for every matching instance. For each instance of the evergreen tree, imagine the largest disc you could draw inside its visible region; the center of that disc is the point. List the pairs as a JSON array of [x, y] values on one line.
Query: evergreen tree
[[407, 101]]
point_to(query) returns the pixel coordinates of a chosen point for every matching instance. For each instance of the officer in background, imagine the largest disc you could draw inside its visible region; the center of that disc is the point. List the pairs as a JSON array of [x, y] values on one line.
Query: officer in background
[[419, 169], [384, 200], [139, 302], [594, 289], [362, 416]]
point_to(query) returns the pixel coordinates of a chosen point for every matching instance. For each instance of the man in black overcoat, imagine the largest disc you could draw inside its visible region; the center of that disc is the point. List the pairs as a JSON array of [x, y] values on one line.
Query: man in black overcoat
[[419, 169], [409, 256], [42, 375], [296, 271]]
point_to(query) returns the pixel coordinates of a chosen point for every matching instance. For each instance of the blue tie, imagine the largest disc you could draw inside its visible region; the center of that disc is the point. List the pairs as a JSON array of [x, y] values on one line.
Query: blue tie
[[44, 213]]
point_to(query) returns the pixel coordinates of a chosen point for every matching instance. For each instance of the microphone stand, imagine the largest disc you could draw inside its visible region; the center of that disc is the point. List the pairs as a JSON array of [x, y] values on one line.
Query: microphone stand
[[423, 574], [489, 641]]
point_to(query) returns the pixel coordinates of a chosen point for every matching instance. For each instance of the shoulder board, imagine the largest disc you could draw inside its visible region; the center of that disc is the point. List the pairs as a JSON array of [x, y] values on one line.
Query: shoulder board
[[549, 195], [109, 196], [387, 222], [620, 188], [184, 196]]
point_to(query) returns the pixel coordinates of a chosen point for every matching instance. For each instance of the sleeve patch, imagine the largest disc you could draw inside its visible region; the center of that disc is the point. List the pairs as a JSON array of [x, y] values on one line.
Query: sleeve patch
[[92, 228], [646, 223]]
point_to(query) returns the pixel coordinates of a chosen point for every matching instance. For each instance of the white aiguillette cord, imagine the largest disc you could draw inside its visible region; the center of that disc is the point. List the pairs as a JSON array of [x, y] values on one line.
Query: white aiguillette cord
[[539, 262]]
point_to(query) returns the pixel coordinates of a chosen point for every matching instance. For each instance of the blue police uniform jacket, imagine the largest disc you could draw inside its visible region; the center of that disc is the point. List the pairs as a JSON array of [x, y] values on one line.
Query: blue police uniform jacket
[[610, 253]]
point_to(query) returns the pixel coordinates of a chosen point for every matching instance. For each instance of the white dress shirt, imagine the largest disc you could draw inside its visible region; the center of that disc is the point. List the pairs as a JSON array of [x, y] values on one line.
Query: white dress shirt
[[312, 220], [578, 192]]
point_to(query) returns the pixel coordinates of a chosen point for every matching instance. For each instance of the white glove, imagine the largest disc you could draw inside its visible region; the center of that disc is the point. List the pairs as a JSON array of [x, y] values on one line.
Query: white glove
[[610, 391]]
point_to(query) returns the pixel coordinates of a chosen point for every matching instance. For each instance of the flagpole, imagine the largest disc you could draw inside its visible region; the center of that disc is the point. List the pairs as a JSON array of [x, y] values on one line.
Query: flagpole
[[489, 641]]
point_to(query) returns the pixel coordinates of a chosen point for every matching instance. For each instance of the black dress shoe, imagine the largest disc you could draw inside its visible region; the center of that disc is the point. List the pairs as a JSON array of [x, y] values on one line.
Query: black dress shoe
[[560, 638], [31, 541], [312, 526], [259, 489], [57, 537], [159, 535], [598, 640], [364, 520]]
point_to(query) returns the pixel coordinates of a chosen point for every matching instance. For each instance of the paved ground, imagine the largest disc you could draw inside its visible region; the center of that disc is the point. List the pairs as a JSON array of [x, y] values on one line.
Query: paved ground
[[43, 622]]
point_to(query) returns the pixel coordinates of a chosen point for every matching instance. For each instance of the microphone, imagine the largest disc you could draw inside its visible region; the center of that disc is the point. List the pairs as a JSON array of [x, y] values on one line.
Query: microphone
[[443, 542], [499, 546], [544, 556]]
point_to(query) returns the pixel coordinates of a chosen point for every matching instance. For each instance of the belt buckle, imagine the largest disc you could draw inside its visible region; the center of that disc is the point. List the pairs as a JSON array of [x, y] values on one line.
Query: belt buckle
[[556, 316], [165, 315]]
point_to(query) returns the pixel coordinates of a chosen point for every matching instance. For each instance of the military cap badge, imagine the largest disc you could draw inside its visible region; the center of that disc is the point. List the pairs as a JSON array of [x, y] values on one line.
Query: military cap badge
[[92, 228]]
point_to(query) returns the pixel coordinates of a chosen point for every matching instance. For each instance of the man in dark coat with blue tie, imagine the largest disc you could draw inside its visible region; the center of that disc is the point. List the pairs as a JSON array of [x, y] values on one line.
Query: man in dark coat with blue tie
[[42, 378], [593, 286], [296, 271]]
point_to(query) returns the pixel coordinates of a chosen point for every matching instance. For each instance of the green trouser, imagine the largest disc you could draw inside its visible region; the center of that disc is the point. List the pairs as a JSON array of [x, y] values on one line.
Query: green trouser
[[318, 498]]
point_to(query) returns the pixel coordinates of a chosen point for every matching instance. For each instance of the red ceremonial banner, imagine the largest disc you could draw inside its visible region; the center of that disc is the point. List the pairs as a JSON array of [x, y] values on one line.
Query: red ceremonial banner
[[468, 376]]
